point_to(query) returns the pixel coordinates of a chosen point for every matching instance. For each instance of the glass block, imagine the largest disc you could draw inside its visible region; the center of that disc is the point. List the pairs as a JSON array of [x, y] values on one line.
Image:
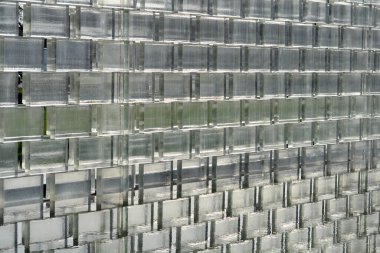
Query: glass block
[[328, 36], [372, 178], [192, 177], [8, 237], [46, 20], [111, 56], [259, 9], [336, 209], [360, 106], [176, 86], [259, 112], [258, 168], [225, 231], [227, 8], [271, 196], [116, 3], [114, 119], [286, 59], [208, 207], [347, 229], [45, 89], [326, 132], [284, 219], [227, 113], [79, 2], [157, 57], [357, 245], [176, 27], [95, 23], [140, 25], [287, 110], [211, 30], [259, 58], [312, 161], [302, 35], [270, 85], [357, 204], [299, 192], [333, 248], [193, 115], [244, 31], [8, 158], [137, 87], [371, 223], [375, 33], [340, 60], [228, 59], [241, 201], [323, 235], [155, 116], [349, 130], [154, 241], [176, 145], [21, 123], [298, 239], [314, 109], [194, 58], [158, 5], [69, 192], [226, 173], [273, 137], [286, 164], [140, 148], [273, 33], [299, 135], [327, 84], [311, 214], [193, 237], [73, 55], [314, 59], [255, 224], [93, 88], [373, 128], [337, 158], [351, 84], [174, 213], [270, 243], [194, 6], [349, 183], [243, 86], [211, 86], [138, 218], [242, 139], [8, 19], [339, 107], [314, 12], [362, 15], [93, 226], [8, 88], [211, 142], [375, 200], [360, 155], [352, 37], [78, 116], [341, 13], [244, 247], [324, 188], [288, 10]]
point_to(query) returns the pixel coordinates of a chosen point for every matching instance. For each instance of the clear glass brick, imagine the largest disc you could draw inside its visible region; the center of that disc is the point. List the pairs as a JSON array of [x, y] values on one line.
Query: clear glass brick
[[209, 207], [8, 88], [95, 23], [8, 19]]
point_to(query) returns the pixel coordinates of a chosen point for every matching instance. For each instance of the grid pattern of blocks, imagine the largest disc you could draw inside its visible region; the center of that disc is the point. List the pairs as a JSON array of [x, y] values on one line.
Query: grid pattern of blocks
[[218, 126]]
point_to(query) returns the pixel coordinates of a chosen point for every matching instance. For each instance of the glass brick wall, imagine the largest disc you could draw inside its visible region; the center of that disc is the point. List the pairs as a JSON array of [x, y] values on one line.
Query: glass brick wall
[[221, 126]]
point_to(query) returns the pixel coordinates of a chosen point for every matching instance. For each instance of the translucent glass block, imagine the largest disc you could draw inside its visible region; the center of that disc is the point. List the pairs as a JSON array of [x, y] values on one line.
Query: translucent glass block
[[270, 85], [287, 110], [299, 135], [92, 88], [273, 137], [323, 235], [243, 139], [327, 84], [286, 164], [140, 25], [175, 213], [8, 238], [347, 229], [73, 55], [324, 188], [194, 58], [22, 198], [241, 201], [45, 89], [157, 57], [8, 85], [271, 196], [313, 109], [158, 5], [273, 33], [299, 192], [154, 241], [155, 182], [270, 243], [211, 30], [341, 13], [46, 20], [302, 35], [360, 155], [95, 23], [360, 106], [211, 86], [371, 223], [155, 116], [298, 239], [8, 19], [373, 128], [375, 33], [176, 86], [225, 231], [226, 173], [326, 132], [191, 177], [75, 2], [286, 59], [336, 209], [259, 9], [340, 60], [211, 142], [69, 192], [328, 36], [52, 234], [258, 168], [312, 161], [361, 60], [362, 15], [375, 200], [349, 130], [338, 248], [311, 214], [339, 107], [208, 207], [352, 37], [288, 10], [111, 56], [116, 3], [93, 226], [8, 158], [255, 224], [357, 245], [244, 31], [357, 204], [139, 218], [176, 145], [137, 87], [373, 177], [227, 113], [21, 54], [193, 237], [337, 158], [244, 247], [78, 116], [176, 28], [284, 219], [259, 58], [193, 115], [195, 6], [228, 58], [259, 112], [349, 183], [314, 59], [314, 11], [351, 84], [243, 86], [21, 123], [114, 119]]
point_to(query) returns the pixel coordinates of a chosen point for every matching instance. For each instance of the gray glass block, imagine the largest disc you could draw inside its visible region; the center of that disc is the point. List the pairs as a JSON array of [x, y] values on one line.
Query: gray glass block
[[193, 237], [73, 55], [349, 183], [273, 33], [111, 56], [273, 137], [314, 59], [243, 86], [227, 113], [312, 161], [137, 87], [45, 89], [176, 145], [21, 123], [210, 207], [140, 148], [328, 36], [69, 192], [8, 88], [241, 201], [227, 8], [228, 59], [357, 245], [225, 231], [286, 164], [46, 20], [155, 116], [288, 10], [158, 5], [299, 135], [259, 58], [361, 60], [138, 218], [327, 84], [211, 142], [298, 240], [299, 192], [8, 19], [115, 119], [52, 234], [211, 30], [326, 132], [193, 115], [284, 219], [255, 224], [333, 248], [116, 3], [175, 213], [375, 108], [176, 86], [349, 130], [75, 2], [226, 173], [371, 223], [78, 116], [360, 106], [340, 60], [270, 85], [352, 37], [373, 128], [311, 214], [244, 31], [211, 86], [314, 11], [286, 59], [337, 158], [194, 58], [323, 235], [375, 34], [347, 229], [287, 110], [8, 237], [357, 204], [8, 158], [242, 139], [271, 196], [259, 9], [24, 54], [157, 57], [155, 182], [115, 245], [140, 25], [176, 27], [77, 249], [360, 155], [340, 13], [336, 209], [192, 177], [362, 15], [325, 188], [374, 154], [22, 198], [244, 247], [314, 109], [93, 226], [95, 23], [302, 35], [339, 107], [351, 84], [270, 243], [94, 88], [154, 241], [258, 112], [372, 179], [258, 168], [194, 6]]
